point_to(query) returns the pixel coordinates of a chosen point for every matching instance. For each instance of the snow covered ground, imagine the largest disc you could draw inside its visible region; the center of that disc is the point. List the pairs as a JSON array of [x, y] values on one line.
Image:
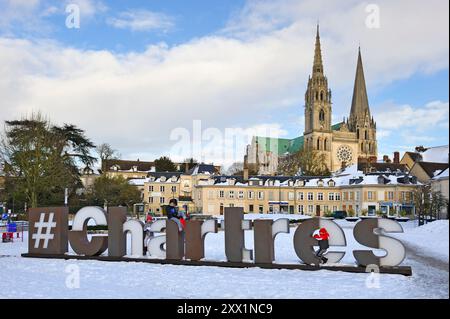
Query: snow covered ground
[[427, 254]]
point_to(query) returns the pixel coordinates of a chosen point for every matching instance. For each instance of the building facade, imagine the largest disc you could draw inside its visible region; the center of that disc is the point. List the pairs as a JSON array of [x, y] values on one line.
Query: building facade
[[351, 190], [159, 187], [439, 183], [314, 197], [342, 144]]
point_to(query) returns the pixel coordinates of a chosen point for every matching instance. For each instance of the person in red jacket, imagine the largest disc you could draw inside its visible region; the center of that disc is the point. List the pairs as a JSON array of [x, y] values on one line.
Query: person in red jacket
[[322, 236]]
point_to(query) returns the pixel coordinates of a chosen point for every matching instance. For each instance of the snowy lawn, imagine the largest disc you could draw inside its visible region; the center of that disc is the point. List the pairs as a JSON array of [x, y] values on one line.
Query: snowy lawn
[[427, 254]]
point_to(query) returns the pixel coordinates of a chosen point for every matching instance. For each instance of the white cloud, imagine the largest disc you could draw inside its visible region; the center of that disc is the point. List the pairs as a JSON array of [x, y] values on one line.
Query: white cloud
[[382, 134], [229, 79], [142, 20], [22, 12], [89, 8], [412, 125], [432, 116], [28, 18]]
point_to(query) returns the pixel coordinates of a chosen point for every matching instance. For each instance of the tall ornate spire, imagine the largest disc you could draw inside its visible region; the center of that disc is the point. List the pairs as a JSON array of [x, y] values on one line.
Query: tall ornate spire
[[317, 96], [317, 65], [360, 102]]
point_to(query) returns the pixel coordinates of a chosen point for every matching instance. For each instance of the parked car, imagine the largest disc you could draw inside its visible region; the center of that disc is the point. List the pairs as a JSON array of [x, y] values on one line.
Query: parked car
[[339, 214]]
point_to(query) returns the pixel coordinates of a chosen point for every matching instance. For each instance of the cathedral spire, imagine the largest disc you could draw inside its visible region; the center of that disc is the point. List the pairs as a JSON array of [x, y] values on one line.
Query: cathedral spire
[[317, 65], [360, 102]]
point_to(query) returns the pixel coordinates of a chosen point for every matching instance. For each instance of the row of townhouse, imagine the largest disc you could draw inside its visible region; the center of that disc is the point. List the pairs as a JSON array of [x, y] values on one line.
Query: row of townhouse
[[209, 194], [311, 197]]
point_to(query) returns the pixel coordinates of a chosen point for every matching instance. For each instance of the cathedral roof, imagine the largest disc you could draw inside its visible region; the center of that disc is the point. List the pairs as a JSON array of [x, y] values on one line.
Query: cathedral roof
[[281, 146]]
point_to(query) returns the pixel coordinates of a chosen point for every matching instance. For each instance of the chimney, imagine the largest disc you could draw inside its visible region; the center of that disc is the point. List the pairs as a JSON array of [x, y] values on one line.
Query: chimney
[[396, 157], [186, 167]]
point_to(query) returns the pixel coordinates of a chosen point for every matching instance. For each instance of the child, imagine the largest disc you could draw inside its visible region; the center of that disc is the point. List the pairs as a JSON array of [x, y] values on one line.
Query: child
[[322, 236], [174, 214], [149, 218], [148, 235]]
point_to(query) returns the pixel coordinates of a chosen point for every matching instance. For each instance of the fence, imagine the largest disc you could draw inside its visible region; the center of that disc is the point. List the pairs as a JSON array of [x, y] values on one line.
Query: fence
[[8, 230]]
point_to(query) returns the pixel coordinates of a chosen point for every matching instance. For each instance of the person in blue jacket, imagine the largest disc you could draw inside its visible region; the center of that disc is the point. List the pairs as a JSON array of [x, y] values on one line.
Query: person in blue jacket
[[174, 214]]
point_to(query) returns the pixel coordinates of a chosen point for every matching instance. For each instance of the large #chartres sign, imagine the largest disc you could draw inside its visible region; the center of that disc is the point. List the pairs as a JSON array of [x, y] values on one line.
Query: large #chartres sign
[[49, 236]]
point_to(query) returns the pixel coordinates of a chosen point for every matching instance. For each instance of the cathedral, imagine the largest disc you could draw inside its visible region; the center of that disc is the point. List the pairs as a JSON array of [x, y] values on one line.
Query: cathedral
[[345, 143]]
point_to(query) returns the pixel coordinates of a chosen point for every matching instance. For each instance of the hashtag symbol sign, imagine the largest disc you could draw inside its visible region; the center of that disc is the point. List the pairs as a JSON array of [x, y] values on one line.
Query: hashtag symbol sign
[[43, 230]]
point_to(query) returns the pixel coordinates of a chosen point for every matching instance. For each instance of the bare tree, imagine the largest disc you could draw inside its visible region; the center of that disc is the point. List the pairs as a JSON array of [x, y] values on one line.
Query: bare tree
[[303, 162], [428, 203], [237, 168], [106, 152]]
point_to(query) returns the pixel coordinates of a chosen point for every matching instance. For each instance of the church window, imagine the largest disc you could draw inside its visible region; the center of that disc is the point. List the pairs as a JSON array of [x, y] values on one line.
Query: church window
[[366, 135], [325, 146], [317, 95], [321, 95], [322, 116], [318, 144], [357, 134]]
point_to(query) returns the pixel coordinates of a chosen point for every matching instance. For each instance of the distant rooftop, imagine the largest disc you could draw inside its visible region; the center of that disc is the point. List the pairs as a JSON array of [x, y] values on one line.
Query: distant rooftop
[[281, 146], [436, 154]]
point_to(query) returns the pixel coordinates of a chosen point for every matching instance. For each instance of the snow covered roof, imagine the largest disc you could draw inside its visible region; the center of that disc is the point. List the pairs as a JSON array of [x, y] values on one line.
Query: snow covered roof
[[441, 174], [437, 154], [137, 181], [207, 169], [431, 168], [349, 170], [352, 177]]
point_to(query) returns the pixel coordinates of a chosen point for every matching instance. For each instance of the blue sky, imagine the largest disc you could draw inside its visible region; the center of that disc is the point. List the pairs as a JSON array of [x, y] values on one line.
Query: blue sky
[[190, 19], [152, 67]]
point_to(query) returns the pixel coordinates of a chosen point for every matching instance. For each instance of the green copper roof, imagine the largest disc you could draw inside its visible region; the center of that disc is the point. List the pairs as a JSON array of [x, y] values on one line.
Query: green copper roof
[[296, 144], [337, 126], [282, 146], [275, 145]]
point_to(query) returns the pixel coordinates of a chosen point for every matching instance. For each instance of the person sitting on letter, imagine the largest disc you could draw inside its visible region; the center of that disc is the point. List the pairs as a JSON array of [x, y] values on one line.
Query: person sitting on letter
[[322, 236], [174, 214]]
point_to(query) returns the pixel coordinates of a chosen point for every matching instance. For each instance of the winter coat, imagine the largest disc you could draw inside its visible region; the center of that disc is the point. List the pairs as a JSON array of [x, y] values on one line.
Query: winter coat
[[321, 234], [172, 212]]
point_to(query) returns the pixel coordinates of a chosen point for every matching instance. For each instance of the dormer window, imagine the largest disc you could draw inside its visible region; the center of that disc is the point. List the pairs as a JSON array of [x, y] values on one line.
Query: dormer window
[[331, 183], [163, 179], [115, 167], [320, 183], [134, 168]]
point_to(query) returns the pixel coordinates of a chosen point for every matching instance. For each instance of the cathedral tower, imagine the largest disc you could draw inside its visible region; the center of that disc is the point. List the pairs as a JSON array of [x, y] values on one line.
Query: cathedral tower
[[318, 133], [360, 121]]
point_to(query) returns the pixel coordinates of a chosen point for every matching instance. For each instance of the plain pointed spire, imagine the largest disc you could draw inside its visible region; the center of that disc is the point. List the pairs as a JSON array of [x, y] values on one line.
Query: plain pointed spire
[[317, 65], [360, 102]]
